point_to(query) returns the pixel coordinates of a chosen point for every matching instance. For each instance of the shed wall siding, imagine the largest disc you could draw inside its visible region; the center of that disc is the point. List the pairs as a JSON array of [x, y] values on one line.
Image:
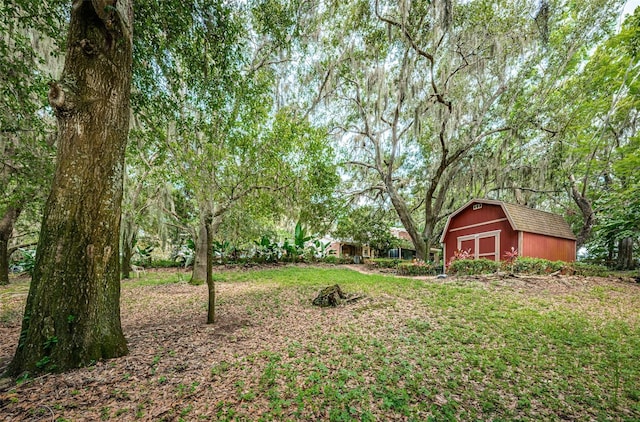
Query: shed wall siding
[[551, 248], [459, 227], [470, 216], [468, 229]]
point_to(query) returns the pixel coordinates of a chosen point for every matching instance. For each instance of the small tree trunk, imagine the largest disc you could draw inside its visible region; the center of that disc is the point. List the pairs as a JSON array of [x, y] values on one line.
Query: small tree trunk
[[625, 254], [6, 229], [610, 252], [211, 312], [72, 315], [208, 227], [4, 262], [199, 272], [127, 254], [126, 261], [128, 239]]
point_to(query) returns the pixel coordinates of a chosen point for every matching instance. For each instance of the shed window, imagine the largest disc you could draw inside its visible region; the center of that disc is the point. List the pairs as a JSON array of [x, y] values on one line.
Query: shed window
[[477, 206]]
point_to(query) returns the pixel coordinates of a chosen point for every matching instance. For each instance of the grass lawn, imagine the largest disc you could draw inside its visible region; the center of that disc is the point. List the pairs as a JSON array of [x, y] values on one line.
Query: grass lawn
[[537, 348]]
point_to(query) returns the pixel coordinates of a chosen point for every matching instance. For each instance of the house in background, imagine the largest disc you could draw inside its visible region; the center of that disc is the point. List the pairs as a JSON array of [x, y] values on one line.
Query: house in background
[[347, 249], [408, 251], [490, 228]]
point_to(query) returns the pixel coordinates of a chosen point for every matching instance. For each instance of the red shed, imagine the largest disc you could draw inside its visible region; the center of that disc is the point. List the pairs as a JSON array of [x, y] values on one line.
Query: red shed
[[491, 228]]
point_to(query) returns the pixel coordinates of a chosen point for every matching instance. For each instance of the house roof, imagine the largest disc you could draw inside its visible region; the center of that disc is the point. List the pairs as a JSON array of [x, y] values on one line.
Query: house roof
[[400, 233], [524, 219]]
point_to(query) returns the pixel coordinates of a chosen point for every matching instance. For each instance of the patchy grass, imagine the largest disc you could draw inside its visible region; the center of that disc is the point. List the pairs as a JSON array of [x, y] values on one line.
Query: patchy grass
[[309, 279], [12, 300], [538, 348], [156, 278]]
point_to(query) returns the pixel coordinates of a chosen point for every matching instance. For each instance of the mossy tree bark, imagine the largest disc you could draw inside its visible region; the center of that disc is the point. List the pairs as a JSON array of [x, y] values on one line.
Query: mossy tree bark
[[405, 216], [72, 316], [6, 229], [586, 209]]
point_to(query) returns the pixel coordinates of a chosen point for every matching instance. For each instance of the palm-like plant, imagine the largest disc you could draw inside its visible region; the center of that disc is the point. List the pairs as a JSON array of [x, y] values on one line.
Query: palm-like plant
[[266, 249]]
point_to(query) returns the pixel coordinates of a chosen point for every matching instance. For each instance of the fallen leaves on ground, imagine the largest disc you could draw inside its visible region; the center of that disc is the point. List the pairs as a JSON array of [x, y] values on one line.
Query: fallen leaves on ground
[[178, 367]]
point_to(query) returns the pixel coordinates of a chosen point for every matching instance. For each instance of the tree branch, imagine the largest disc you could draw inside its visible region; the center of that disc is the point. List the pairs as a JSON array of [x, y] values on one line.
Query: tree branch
[[361, 164], [12, 249]]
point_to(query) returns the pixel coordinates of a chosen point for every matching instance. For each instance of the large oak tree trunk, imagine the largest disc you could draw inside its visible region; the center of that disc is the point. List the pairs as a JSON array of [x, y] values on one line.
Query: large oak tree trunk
[[407, 221], [72, 316], [588, 215], [6, 229], [429, 227]]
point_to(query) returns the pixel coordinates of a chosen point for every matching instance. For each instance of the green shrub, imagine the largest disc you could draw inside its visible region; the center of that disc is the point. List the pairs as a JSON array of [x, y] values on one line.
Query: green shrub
[[584, 269], [332, 259], [526, 265], [473, 266], [384, 262], [164, 263], [415, 269], [142, 256], [28, 261], [538, 266]]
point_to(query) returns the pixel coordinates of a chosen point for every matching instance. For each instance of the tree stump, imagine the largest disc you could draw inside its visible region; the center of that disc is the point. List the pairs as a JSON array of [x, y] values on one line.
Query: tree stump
[[329, 296]]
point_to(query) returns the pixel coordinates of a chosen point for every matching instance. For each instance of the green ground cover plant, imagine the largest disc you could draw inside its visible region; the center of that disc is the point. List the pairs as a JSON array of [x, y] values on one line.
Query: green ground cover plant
[[410, 349]]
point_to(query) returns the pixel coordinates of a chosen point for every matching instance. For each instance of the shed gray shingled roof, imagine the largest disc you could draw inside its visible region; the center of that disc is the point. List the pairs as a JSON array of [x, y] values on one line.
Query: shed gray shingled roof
[[535, 221], [524, 219]]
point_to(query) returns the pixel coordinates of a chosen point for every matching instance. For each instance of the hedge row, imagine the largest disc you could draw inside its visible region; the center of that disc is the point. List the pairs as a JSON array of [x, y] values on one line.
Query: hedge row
[[523, 265], [164, 263], [592, 270], [526, 265], [402, 267], [411, 269], [383, 263], [168, 263], [473, 266], [332, 259]]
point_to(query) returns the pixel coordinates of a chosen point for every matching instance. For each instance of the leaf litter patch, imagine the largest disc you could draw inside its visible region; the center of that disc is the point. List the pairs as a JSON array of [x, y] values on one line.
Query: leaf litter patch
[[272, 354]]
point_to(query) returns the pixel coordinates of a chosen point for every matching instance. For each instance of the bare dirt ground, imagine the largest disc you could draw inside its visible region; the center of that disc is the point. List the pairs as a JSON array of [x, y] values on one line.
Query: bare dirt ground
[[168, 370]]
